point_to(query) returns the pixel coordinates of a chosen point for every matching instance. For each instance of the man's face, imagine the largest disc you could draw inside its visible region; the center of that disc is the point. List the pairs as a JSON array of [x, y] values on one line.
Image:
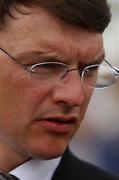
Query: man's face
[[38, 118]]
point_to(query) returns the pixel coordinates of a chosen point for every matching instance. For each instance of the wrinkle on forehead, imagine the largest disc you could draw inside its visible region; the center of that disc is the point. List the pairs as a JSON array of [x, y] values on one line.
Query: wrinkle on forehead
[[86, 47], [42, 31]]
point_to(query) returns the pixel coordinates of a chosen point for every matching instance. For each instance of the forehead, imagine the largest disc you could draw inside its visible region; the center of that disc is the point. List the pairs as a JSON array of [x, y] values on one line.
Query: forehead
[[41, 31]]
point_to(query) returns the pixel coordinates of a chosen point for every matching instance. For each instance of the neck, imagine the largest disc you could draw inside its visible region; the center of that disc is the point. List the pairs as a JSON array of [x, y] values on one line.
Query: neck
[[9, 158]]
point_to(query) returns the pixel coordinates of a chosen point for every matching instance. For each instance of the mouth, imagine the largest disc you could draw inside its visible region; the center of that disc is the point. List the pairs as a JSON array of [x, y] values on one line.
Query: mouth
[[59, 124]]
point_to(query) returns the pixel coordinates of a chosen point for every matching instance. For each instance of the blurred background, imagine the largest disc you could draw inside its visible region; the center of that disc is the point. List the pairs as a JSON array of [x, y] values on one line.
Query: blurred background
[[97, 141]]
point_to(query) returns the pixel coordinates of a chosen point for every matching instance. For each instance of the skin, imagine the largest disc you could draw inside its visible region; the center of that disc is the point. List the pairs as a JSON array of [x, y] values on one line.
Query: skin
[[25, 102]]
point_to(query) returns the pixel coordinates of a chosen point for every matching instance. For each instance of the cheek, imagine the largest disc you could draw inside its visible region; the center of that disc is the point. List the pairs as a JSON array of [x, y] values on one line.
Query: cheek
[[36, 95], [20, 99], [19, 89]]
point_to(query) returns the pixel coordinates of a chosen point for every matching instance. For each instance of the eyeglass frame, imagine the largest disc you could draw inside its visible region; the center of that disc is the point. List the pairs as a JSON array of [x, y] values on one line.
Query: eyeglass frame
[[29, 67]]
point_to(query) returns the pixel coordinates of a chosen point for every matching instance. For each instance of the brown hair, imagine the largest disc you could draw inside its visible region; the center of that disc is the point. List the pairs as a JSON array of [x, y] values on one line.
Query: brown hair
[[91, 14]]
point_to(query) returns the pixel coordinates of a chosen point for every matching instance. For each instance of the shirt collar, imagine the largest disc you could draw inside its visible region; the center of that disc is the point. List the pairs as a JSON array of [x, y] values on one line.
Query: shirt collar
[[36, 169]]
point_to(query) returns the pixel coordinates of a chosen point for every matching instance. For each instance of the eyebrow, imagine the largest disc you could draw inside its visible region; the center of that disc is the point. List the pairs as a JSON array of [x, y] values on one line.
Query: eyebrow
[[36, 55], [20, 56], [97, 61], [31, 54]]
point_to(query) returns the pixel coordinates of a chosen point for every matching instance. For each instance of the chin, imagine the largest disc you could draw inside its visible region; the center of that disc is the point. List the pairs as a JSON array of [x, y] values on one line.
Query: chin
[[46, 147], [50, 156], [46, 153], [52, 152]]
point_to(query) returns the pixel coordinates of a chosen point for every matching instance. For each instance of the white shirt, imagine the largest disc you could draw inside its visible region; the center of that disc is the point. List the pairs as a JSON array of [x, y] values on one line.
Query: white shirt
[[36, 169]]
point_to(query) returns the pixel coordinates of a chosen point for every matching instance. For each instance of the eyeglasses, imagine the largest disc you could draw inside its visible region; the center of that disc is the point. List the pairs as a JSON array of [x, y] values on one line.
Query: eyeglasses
[[96, 76]]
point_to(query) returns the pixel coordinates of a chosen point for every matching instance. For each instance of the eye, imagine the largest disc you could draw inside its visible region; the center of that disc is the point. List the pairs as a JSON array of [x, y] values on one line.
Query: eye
[[91, 71], [48, 68], [51, 66]]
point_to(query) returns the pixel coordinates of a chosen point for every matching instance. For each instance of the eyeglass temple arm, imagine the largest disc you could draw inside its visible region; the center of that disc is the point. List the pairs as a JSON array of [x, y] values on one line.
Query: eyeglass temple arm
[[12, 58], [115, 68], [8, 54]]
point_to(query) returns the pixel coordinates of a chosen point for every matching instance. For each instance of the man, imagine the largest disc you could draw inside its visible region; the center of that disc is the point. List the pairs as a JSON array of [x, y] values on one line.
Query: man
[[49, 55]]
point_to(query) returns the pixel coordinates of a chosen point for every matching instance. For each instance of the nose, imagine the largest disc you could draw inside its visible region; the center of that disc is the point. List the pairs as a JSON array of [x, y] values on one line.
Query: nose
[[69, 91]]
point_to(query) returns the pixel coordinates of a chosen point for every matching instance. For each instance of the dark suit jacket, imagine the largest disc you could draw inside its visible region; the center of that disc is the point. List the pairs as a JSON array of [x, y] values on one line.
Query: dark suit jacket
[[71, 168]]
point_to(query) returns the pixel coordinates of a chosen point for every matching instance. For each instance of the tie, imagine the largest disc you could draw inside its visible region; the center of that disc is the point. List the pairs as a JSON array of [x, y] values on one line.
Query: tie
[[6, 176]]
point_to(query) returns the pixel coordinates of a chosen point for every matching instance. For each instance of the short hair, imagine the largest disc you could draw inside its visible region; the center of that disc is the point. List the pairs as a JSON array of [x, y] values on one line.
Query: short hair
[[89, 14]]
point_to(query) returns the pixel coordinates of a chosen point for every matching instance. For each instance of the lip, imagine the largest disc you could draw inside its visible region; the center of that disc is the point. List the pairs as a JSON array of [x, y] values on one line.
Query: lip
[[58, 124]]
